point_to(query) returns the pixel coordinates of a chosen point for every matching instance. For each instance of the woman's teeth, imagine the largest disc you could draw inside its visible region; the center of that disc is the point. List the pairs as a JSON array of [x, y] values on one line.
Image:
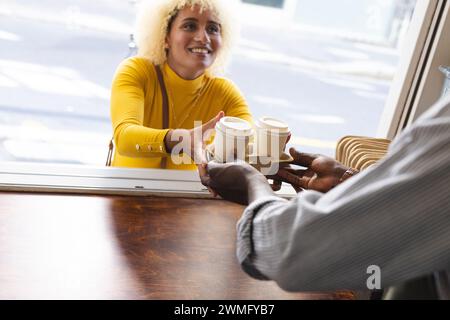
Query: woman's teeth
[[199, 50]]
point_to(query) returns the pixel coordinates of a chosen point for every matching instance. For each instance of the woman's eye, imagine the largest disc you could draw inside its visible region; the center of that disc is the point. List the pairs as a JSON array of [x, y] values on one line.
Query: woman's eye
[[213, 29], [189, 26]]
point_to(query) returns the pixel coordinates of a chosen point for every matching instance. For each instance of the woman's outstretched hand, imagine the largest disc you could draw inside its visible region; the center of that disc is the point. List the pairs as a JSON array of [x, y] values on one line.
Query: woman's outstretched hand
[[198, 145], [193, 142], [322, 173]]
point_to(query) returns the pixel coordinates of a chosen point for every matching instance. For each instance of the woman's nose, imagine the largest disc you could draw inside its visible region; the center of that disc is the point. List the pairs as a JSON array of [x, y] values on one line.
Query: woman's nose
[[202, 36]]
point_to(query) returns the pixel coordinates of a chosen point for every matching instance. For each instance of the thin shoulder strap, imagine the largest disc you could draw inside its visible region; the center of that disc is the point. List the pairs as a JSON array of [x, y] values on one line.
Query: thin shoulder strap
[[165, 102], [165, 107], [110, 153]]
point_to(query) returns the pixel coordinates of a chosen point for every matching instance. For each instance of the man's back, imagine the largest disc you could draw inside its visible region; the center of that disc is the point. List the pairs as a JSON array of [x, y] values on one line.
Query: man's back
[[395, 216]]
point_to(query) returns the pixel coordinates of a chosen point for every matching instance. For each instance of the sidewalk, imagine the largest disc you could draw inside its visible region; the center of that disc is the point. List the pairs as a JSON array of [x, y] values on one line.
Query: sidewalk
[[285, 42], [72, 16], [363, 68], [113, 23]]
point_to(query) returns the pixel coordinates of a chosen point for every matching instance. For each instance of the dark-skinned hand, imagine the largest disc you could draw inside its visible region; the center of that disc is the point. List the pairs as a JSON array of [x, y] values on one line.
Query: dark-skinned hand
[[321, 173], [237, 182]]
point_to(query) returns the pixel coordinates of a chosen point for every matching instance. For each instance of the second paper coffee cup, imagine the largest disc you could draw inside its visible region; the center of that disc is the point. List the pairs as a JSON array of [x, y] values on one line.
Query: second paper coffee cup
[[271, 137]]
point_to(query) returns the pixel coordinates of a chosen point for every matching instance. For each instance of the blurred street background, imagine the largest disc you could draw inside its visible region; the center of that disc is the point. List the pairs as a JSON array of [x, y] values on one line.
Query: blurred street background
[[323, 66]]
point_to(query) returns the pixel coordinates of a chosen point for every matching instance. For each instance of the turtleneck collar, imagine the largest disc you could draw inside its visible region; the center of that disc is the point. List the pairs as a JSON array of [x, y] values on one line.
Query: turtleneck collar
[[173, 80]]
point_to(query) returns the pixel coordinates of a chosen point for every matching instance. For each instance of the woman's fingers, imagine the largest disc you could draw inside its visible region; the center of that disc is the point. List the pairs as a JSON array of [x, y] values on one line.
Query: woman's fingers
[[212, 123], [199, 136], [203, 174], [213, 193], [199, 154], [288, 138], [205, 178]]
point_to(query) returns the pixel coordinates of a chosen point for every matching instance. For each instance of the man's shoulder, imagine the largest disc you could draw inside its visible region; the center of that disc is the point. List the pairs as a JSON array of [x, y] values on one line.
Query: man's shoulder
[[431, 128], [440, 109]]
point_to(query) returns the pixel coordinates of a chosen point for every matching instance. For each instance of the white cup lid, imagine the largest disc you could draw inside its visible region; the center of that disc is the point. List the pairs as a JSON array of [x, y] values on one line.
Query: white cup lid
[[234, 126], [272, 123]]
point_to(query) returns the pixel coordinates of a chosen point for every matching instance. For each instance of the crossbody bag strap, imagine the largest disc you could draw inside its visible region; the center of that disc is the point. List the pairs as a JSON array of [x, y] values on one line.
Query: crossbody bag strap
[[110, 153], [165, 106], [165, 102]]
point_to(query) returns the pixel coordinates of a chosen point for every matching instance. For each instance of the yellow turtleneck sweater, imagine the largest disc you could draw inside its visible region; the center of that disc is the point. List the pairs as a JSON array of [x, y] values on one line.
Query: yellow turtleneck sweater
[[136, 110]]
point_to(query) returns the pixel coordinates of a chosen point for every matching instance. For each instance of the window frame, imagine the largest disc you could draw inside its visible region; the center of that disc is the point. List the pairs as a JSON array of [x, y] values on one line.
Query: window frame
[[412, 90], [35, 177], [418, 82]]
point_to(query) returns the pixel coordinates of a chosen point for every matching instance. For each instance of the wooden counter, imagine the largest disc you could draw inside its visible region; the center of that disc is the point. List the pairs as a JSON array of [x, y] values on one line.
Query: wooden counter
[[121, 247]]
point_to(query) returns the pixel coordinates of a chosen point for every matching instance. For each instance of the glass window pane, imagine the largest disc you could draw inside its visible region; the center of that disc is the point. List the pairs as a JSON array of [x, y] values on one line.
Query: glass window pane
[[324, 66], [270, 3]]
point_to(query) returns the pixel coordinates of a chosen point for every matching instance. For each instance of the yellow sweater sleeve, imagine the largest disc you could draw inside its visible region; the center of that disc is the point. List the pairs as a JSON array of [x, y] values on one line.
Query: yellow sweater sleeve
[[234, 102], [132, 138]]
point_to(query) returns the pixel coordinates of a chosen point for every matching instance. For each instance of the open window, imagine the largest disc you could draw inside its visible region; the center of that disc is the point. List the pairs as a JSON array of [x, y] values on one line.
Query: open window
[[328, 68]]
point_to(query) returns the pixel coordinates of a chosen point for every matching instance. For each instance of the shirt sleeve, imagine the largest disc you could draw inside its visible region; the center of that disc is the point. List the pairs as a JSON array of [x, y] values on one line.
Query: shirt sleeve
[[132, 138], [395, 216]]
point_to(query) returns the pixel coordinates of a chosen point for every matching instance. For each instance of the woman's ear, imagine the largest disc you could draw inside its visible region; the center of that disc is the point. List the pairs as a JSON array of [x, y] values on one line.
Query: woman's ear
[[166, 42]]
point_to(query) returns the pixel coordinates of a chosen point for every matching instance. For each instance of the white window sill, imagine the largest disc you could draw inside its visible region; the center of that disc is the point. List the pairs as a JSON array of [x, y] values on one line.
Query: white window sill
[[60, 178]]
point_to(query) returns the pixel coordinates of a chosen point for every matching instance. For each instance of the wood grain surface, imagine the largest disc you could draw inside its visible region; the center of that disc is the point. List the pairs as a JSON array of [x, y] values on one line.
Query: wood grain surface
[[119, 247]]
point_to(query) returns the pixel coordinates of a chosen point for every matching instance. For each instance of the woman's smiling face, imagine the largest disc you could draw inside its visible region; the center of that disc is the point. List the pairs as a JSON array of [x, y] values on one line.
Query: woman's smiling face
[[193, 41]]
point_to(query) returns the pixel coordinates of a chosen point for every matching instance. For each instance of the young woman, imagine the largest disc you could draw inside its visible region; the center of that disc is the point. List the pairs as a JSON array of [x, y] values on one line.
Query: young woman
[[189, 40]]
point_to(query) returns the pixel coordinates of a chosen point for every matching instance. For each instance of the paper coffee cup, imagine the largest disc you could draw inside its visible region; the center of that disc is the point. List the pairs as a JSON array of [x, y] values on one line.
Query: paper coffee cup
[[271, 137], [232, 139]]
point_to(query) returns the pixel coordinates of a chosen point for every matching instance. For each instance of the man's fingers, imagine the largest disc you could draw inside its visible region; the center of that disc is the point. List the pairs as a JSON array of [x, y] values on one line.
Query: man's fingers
[[297, 172], [295, 180], [276, 185], [301, 158], [213, 167], [301, 173]]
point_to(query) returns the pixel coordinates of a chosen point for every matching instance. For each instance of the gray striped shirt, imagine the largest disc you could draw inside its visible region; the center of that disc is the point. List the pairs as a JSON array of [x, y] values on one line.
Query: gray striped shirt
[[395, 216]]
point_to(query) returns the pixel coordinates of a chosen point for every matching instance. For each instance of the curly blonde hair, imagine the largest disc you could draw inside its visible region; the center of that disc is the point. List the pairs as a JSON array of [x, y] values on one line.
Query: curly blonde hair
[[153, 22]]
